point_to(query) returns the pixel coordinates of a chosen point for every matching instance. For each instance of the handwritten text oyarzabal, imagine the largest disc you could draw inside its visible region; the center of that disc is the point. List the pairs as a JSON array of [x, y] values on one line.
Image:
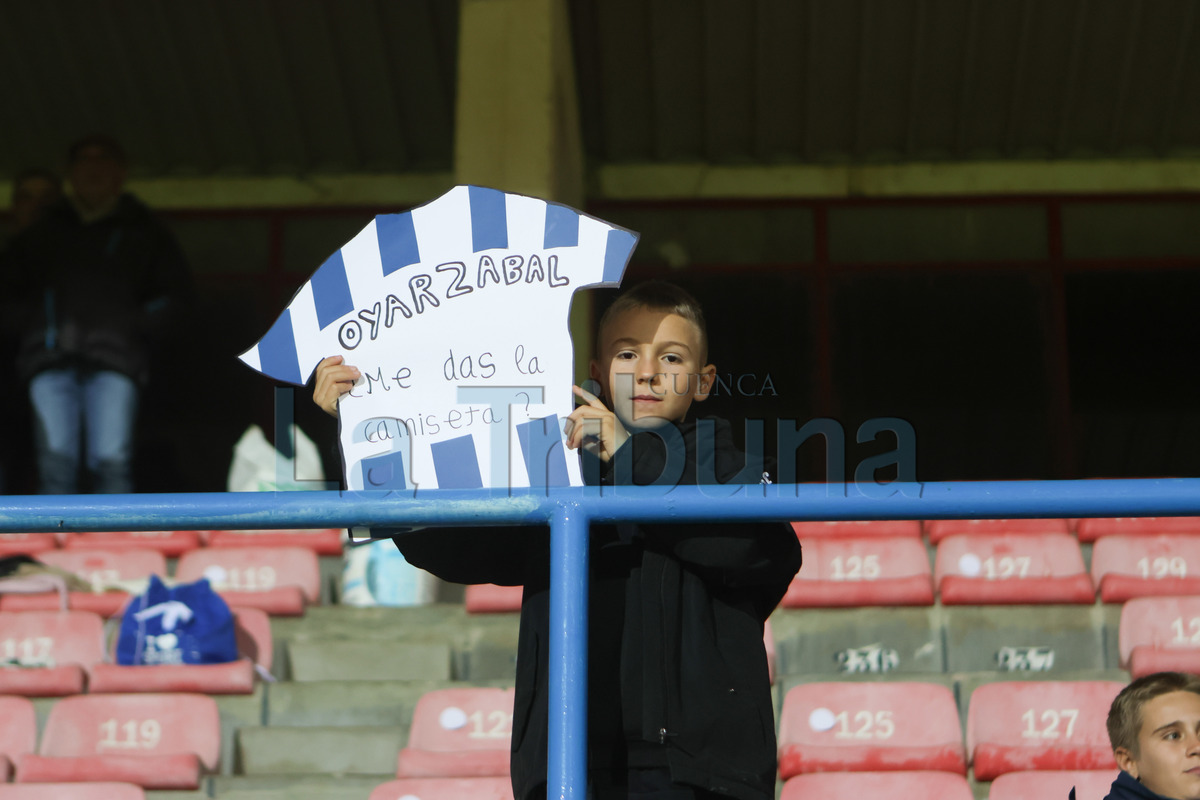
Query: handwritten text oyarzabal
[[453, 279]]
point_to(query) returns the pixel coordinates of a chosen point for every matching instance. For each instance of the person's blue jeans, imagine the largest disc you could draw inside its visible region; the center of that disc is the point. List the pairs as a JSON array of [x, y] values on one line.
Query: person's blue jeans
[[84, 415]]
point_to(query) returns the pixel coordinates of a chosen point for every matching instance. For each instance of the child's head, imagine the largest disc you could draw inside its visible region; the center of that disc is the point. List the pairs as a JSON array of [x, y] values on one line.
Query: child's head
[[1154, 727], [651, 355], [96, 170], [33, 190]]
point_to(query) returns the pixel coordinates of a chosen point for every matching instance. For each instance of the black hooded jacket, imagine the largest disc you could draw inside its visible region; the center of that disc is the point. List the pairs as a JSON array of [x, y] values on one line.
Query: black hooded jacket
[[1127, 787], [92, 294], [677, 669]]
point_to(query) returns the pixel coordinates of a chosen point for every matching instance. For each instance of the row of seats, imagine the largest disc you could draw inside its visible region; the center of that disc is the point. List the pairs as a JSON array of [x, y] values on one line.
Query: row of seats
[[1039, 785], [1046, 785], [281, 580], [162, 741], [330, 541], [323, 542], [60, 653], [831, 727], [969, 569], [1086, 530], [993, 569], [860, 570], [1011, 726]]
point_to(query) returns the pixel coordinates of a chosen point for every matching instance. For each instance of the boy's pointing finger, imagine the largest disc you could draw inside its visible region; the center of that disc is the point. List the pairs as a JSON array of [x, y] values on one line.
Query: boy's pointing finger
[[589, 398]]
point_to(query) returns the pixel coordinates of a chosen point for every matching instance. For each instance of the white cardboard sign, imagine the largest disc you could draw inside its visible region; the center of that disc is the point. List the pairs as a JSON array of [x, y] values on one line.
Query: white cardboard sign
[[456, 314]]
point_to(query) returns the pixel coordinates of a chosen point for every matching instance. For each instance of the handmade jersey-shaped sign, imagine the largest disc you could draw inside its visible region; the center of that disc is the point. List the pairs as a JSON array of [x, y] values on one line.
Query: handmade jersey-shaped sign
[[456, 315]]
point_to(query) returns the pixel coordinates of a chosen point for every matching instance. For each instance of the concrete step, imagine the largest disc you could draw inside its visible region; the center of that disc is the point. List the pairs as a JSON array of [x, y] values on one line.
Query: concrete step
[[1043, 639], [374, 659], [846, 640], [313, 750], [180, 794], [347, 702], [951, 639], [237, 712], [294, 787], [481, 647]]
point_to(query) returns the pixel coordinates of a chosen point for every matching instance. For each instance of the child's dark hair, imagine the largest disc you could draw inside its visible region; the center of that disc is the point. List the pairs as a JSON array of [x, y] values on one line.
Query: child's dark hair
[[35, 173], [110, 146], [1125, 714], [659, 296]]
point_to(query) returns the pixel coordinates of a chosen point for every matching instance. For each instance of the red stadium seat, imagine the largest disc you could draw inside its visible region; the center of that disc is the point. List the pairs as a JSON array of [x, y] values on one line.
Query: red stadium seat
[[72, 791], [1040, 725], [326, 542], [1160, 634], [279, 580], [236, 677], [869, 571], [1011, 568], [1093, 528], [869, 727], [488, 598], [97, 567], [171, 544], [157, 741], [443, 789], [18, 733], [1051, 785], [52, 651], [924, 784], [1125, 567], [30, 544], [459, 733], [254, 636], [811, 529], [938, 529]]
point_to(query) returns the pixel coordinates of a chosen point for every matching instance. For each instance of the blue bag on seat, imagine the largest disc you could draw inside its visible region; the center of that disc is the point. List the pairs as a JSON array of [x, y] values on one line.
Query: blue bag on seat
[[185, 624]]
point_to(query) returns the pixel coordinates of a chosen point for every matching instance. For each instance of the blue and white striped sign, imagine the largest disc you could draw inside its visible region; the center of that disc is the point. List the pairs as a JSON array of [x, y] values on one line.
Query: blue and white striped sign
[[456, 314]]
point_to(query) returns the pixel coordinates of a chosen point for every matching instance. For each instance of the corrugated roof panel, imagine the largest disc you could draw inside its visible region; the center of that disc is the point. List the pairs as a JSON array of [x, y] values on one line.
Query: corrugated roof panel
[[895, 80], [780, 37], [244, 87], [275, 87]]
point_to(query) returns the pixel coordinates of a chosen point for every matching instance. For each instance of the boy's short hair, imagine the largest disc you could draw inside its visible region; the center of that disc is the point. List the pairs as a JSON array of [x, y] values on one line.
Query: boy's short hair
[[1125, 714], [110, 146], [659, 296]]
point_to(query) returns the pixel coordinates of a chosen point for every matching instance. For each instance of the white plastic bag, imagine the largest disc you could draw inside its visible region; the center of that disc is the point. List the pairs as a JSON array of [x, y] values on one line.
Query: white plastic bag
[[376, 574], [259, 467]]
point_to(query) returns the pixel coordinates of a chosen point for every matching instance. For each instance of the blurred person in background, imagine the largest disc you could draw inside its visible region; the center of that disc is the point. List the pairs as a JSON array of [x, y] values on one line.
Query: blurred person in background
[[96, 281], [33, 190]]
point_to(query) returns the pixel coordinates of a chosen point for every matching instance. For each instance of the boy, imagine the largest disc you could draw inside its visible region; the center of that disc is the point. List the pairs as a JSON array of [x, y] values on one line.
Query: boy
[[1154, 727], [679, 702]]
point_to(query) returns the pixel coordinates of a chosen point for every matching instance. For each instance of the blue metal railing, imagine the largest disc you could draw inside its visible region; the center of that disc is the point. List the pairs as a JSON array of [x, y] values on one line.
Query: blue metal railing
[[568, 512]]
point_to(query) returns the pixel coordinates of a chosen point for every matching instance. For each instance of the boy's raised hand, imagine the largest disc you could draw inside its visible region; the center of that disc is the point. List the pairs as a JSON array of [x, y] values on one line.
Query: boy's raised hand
[[334, 379], [594, 427]]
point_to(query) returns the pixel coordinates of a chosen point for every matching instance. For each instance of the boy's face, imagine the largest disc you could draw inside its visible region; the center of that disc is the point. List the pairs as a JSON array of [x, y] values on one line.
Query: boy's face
[[649, 367], [1168, 759], [96, 175]]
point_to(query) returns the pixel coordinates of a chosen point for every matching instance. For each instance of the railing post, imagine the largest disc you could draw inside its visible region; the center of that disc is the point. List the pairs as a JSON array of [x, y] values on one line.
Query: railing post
[[567, 769]]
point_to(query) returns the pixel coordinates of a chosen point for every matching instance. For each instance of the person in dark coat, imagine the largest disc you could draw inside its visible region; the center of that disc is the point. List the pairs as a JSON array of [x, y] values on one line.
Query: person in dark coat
[[679, 697], [97, 279], [33, 191], [1154, 727]]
